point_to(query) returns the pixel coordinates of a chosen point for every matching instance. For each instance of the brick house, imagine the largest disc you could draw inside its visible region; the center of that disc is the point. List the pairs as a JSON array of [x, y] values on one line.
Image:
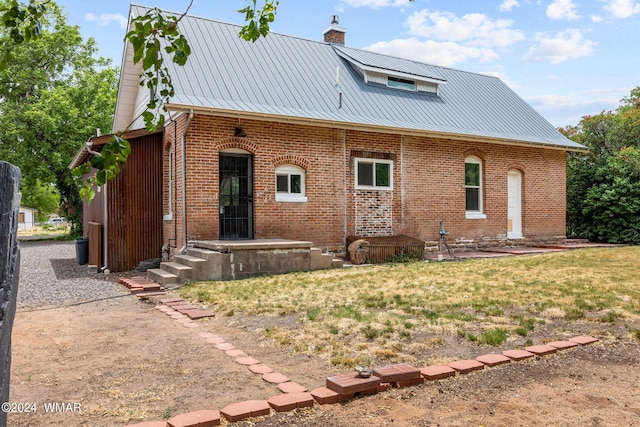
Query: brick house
[[313, 140]]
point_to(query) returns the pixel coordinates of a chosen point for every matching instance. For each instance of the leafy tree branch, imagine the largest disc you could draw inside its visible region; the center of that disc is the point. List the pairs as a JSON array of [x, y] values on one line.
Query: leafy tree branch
[[154, 35], [603, 185]]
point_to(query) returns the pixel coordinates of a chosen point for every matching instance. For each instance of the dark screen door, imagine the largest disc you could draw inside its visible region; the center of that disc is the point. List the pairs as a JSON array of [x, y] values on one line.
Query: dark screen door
[[236, 196]]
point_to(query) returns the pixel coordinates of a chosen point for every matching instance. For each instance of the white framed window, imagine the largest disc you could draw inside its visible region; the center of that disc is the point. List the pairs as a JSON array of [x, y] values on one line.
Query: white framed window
[[398, 83], [290, 184], [373, 174], [473, 188]]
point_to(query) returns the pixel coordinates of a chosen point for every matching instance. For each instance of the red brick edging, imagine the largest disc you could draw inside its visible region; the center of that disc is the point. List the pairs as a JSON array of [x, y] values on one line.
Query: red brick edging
[[341, 387]]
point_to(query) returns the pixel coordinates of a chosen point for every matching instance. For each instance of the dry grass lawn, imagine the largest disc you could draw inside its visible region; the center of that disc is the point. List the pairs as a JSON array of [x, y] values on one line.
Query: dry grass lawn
[[374, 314]]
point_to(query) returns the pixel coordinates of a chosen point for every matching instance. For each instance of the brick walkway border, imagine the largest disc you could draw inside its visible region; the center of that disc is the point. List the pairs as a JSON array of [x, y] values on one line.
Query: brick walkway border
[[338, 388]]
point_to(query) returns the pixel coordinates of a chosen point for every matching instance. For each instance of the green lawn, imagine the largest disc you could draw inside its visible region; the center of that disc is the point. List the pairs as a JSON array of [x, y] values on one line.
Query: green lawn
[[382, 313]]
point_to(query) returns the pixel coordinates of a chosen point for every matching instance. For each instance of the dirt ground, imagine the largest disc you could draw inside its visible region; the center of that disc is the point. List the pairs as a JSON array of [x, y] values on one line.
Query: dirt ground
[[121, 361]]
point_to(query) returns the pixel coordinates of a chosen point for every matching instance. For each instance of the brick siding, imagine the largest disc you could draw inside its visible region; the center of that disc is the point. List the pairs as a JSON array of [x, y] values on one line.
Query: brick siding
[[428, 184]]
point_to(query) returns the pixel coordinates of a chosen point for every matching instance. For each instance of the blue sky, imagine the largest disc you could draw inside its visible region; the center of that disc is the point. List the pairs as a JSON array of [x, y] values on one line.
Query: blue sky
[[567, 58]]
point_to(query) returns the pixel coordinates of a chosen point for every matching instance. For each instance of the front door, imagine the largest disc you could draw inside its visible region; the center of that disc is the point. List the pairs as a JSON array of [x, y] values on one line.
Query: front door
[[236, 196], [514, 196]]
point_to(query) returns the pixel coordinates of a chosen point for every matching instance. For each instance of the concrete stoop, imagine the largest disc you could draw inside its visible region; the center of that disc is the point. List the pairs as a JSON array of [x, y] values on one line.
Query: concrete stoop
[[220, 260]]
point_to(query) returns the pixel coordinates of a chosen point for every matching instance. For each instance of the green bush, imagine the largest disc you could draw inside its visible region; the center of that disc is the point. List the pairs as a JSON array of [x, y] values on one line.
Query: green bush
[[603, 185], [610, 206], [494, 337]]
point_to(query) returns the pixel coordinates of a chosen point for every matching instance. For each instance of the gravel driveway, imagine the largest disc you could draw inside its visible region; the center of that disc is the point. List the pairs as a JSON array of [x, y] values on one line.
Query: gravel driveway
[[50, 276]]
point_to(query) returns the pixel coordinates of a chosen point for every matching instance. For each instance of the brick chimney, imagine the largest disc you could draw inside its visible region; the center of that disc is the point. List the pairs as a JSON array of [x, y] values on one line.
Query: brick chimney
[[335, 33]]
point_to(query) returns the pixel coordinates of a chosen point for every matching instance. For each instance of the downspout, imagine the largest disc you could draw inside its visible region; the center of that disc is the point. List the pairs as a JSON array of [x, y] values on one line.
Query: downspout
[[105, 218], [105, 243], [183, 144]]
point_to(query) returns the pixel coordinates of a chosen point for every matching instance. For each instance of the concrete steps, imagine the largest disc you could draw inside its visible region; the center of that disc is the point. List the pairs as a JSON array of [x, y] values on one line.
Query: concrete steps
[[163, 277], [184, 272], [212, 264], [321, 261]]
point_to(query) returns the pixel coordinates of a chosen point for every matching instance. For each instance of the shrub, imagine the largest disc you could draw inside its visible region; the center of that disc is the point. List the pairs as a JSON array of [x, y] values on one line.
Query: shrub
[[603, 197], [494, 337]]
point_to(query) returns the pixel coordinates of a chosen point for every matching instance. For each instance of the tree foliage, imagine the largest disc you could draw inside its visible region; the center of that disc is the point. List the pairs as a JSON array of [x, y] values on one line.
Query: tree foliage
[[22, 22], [258, 19], [603, 186], [155, 37], [48, 70], [43, 197], [53, 95]]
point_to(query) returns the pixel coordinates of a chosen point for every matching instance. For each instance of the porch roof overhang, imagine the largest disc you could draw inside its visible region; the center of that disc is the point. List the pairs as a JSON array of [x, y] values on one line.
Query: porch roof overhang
[[94, 143]]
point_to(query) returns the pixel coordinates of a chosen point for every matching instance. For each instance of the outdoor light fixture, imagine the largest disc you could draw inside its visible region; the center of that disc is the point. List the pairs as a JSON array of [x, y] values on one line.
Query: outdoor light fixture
[[239, 132]]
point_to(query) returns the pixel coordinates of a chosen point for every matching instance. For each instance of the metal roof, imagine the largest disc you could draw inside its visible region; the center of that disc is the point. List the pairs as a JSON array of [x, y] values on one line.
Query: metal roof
[[389, 63], [294, 79]]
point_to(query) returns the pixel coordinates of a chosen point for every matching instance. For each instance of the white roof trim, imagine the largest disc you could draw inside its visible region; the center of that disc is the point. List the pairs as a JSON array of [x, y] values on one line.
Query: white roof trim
[[334, 27], [392, 73]]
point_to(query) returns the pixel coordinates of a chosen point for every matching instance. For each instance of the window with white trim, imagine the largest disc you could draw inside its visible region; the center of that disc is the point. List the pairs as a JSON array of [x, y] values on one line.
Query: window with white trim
[[290, 184], [373, 174], [473, 187], [398, 83]]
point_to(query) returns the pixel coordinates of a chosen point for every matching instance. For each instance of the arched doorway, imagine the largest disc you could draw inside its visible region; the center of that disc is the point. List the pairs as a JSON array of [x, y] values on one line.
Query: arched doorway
[[514, 211], [236, 194]]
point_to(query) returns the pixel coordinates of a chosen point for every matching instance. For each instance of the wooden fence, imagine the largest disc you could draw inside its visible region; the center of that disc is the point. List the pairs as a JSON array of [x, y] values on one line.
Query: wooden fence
[[9, 270]]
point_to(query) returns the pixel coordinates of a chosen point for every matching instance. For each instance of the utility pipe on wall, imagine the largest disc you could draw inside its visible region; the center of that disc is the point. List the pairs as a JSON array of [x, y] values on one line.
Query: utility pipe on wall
[[183, 144]]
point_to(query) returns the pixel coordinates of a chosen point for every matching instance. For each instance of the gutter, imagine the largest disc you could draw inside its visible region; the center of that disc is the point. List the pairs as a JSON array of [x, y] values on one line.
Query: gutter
[[372, 128], [184, 182]]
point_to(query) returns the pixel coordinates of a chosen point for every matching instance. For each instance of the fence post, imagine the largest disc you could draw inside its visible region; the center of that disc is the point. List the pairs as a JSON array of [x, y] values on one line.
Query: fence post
[[9, 270]]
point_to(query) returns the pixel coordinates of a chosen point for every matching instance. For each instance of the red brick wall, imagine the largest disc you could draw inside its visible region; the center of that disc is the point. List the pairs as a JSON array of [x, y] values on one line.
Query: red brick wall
[[436, 168], [428, 184]]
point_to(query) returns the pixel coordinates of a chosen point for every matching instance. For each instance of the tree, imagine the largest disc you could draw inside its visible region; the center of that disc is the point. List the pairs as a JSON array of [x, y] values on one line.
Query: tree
[[43, 197], [603, 186], [53, 94], [153, 36]]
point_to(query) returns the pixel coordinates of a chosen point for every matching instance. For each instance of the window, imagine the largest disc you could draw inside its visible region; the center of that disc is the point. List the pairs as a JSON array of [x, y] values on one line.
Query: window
[[473, 187], [374, 174], [399, 83], [290, 185]]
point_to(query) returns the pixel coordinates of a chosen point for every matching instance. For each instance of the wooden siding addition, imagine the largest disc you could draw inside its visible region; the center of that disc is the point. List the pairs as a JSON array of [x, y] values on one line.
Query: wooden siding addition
[[134, 227]]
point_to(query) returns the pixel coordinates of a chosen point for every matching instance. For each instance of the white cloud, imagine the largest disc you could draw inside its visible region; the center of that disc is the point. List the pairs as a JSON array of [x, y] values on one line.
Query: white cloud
[[596, 18], [562, 9], [106, 19], [569, 109], [502, 75], [376, 4], [475, 29], [432, 52], [563, 46], [507, 5], [622, 8]]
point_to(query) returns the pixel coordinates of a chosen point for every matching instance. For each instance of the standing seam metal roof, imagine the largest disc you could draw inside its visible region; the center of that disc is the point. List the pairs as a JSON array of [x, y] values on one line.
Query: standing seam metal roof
[[288, 76]]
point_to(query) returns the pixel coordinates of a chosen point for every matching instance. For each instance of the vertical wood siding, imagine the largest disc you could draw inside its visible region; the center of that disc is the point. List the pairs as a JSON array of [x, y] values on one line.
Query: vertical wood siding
[[134, 228]]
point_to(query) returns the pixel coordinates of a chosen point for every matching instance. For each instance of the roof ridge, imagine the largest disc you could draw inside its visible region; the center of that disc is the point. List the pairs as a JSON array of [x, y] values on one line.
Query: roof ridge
[[334, 45], [218, 21]]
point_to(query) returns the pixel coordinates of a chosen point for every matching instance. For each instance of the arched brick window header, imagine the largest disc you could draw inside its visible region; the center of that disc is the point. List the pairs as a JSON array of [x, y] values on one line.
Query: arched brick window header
[[291, 160], [516, 166], [475, 153], [235, 142]]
